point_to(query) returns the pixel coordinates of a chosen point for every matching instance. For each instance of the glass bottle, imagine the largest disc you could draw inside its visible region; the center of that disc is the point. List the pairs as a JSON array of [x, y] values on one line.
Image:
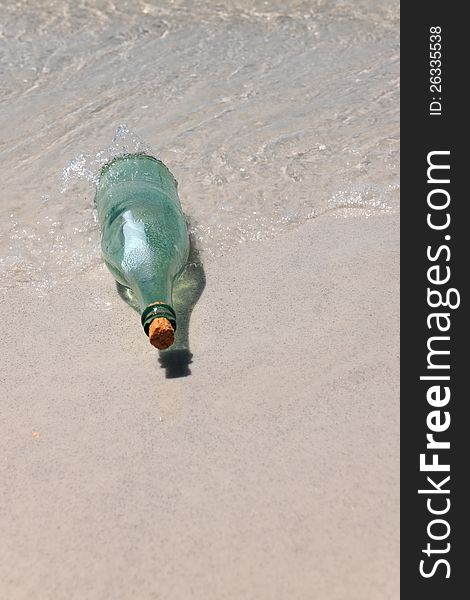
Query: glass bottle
[[144, 237]]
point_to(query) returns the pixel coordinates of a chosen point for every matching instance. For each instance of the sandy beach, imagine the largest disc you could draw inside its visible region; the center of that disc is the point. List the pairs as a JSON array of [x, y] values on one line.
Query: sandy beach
[[270, 472], [258, 459]]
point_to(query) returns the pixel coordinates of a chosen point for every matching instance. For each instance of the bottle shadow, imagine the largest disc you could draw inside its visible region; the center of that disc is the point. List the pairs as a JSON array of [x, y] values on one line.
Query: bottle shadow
[[186, 292]]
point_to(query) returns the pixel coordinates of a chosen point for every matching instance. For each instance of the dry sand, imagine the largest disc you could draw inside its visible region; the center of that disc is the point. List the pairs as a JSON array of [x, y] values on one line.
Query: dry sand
[[271, 472]]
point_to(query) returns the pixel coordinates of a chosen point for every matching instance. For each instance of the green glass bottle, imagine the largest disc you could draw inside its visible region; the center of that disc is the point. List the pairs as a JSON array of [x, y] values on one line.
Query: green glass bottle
[[144, 237]]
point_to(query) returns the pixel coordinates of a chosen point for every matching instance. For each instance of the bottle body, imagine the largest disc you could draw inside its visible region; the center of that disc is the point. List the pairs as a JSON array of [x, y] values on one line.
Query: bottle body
[[144, 236]]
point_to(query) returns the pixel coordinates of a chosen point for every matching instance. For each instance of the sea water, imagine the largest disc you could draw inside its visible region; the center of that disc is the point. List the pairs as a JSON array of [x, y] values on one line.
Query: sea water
[[269, 114]]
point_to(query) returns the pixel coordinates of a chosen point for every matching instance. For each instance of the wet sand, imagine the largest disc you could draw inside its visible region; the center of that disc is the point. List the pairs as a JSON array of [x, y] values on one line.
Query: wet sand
[[270, 471]]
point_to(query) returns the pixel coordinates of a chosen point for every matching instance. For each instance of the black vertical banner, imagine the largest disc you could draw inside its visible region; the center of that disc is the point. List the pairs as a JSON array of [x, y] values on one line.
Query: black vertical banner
[[435, 240]]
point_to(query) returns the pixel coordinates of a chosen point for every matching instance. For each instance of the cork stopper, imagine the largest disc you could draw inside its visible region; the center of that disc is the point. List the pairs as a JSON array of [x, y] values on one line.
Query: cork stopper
[[161, 333]]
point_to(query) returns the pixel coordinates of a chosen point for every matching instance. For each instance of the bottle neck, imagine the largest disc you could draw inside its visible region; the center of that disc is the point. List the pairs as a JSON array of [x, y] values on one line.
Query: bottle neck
[[157, 310], [154, 297], [150, 288]]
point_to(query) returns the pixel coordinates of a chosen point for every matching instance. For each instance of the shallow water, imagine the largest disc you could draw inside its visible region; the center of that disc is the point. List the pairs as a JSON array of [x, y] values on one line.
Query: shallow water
[[268, 114]]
